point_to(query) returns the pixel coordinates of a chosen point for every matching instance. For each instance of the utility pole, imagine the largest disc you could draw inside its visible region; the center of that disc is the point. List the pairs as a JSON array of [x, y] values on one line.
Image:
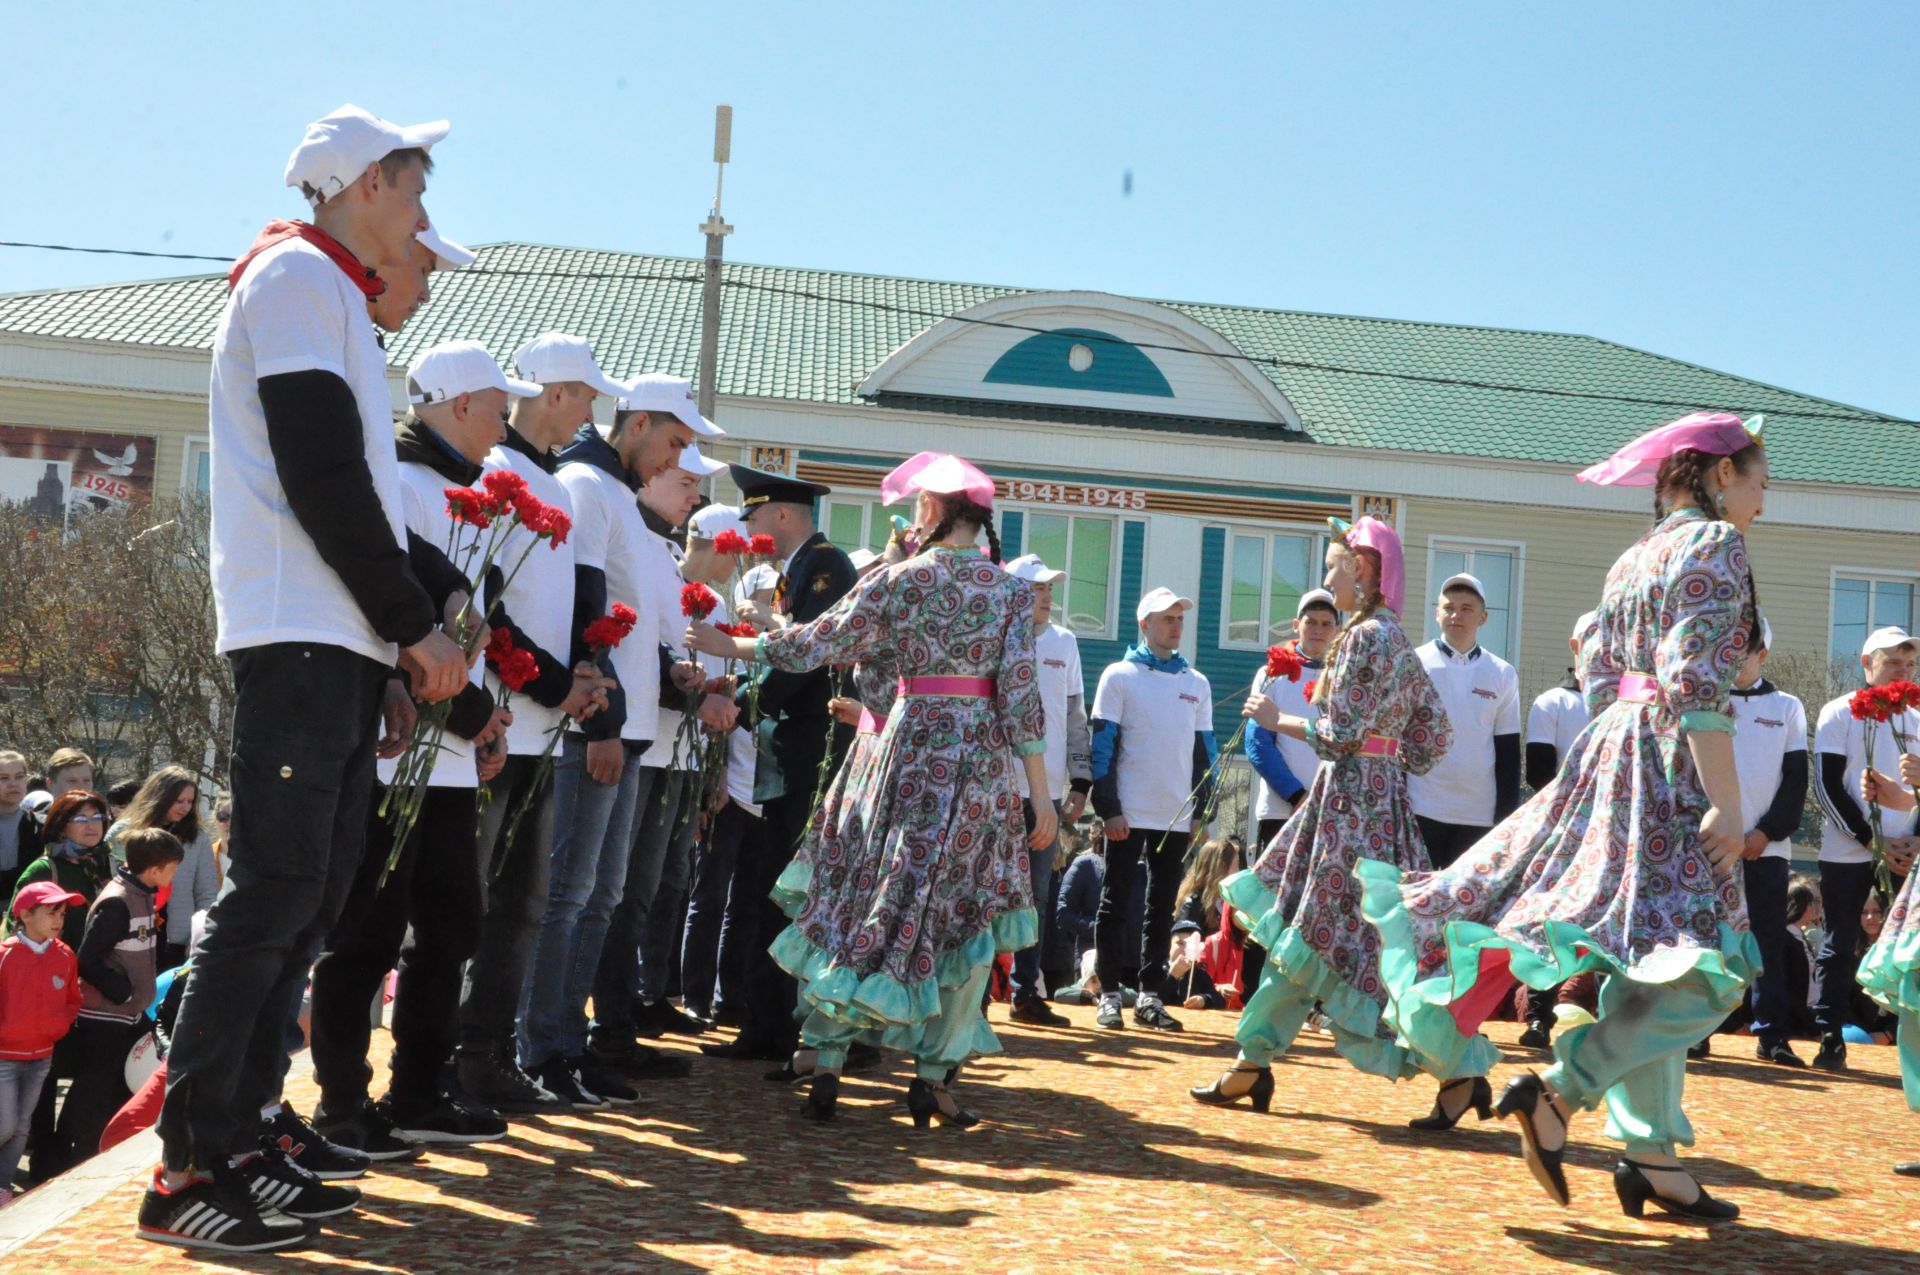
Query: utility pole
[[716, 232]]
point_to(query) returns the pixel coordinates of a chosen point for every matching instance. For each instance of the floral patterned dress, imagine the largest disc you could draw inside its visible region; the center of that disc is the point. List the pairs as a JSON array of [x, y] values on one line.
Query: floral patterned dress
[[1891, 974], [875, 683], [915, 872], [1601, 870], [1301, 899]]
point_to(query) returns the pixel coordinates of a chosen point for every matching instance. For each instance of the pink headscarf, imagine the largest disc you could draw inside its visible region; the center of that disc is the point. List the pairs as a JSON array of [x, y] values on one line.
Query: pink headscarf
[[1638, 463], [942, 474], [1367, 532]]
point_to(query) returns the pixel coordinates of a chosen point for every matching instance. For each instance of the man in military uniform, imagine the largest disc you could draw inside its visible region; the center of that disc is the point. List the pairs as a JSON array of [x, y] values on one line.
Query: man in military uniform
[[802, 744]]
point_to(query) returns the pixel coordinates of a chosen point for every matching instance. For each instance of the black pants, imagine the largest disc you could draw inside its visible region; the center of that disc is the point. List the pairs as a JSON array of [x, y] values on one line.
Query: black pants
[[305, 725], [426, 918], [713, 955], [513, 891], [1163, 854], [771, 991], [1844, 888], [1253, 957], [1447, 841], [1767, 917]]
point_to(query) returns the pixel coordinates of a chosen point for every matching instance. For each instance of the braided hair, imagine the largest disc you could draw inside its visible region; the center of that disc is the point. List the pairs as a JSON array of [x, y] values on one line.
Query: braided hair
[[957, 509], [1686, 471], [1370, 600]]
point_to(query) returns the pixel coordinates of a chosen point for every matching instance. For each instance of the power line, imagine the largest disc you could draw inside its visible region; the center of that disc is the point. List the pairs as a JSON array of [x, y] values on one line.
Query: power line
[[916, 312]]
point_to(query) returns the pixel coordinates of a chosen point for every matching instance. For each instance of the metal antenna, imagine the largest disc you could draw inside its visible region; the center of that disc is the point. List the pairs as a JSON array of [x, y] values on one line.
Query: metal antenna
[[716, 232]]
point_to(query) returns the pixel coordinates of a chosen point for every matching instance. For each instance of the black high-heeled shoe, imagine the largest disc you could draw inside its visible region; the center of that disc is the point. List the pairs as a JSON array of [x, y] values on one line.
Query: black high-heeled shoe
[[1259, 1094], [1635, 1190], [822, 1094], [1479, 1101], [1524, 1097], [924, 1105], [788, 1074]]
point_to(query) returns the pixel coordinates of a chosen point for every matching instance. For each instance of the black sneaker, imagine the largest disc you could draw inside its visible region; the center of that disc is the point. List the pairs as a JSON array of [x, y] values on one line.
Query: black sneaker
[[307, 1147], [1109, 1015], [1539, 1035], [367, 1130], [642, 1062], [1700, 1049], [1833, 1053], [1153, 1014], [1778, 1051], [274, 1181], [725, 1015], [603, 1081], [214, 1213], [1037, 1013], [664, 1016], [444, 1120], [496, 1081], [560, 1080]]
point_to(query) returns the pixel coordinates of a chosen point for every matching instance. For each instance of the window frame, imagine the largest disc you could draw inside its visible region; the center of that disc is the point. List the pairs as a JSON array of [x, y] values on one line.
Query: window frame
[[1870, 576], [1116, 521], [192, 449], [870, 506], [1437, 544], [1265, 531]]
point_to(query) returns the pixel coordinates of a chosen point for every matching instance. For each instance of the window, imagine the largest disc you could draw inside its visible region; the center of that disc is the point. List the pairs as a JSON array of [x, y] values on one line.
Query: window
[[196, 475], [1864, 602], [1086, 549], [852, 523], [1497, 566], [1266, 572]]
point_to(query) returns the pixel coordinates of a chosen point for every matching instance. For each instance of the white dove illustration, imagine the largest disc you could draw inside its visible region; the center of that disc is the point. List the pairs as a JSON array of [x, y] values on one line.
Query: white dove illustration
[[120, 466]]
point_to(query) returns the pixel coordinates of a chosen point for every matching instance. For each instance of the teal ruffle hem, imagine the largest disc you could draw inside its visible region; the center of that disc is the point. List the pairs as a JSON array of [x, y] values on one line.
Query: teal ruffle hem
[[1439, 1017], [1890, 972]]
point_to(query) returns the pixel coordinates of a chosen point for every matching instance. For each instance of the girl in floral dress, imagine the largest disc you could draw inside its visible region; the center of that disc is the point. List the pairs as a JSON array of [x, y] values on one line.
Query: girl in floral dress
[[1890, 972], [919, 876], [1380, 717], [1628, 863]]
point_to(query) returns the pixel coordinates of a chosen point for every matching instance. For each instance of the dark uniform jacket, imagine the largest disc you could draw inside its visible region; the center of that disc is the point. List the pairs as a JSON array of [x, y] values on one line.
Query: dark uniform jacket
[[796, 703]]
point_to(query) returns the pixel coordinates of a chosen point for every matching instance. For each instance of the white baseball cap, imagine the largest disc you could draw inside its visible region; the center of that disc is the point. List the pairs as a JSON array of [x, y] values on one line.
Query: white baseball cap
[[1161, 600], [709, 521], [36, 801], [862, 559], [694, 463], [447, 255], [672, 395], [339, 146], [1028, 566], [1766, 634], [1886, 639], [554, 357], [452, 368], [1465, 581], [1312, 596]]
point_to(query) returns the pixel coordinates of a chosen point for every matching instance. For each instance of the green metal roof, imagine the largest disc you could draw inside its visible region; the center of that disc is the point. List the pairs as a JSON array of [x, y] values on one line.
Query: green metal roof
[[813, 335]]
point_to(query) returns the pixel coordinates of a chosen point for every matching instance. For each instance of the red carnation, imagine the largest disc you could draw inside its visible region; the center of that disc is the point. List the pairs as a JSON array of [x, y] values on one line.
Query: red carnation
[[503, 489], [731, 541], [612, 628], [500, 645], [1283, 661], [762, 545], [1869, 704], [466, 505], [740, 630], [517, 669], [549, 522], [1903, 695], [1310, 688], [697, 601]]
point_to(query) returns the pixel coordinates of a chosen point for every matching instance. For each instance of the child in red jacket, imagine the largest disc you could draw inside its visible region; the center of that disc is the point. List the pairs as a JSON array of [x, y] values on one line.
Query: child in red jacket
[[39, 998]]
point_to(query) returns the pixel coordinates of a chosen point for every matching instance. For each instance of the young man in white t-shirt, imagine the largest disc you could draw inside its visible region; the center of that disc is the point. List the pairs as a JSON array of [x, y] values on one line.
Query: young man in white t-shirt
[[1553, 724], [713, 954], [1477, 784], [1846, 864], [425, 894], [629, 995], [1069, 773], [539, 597], [1152, 744], [1770, 754], [596, 773], [1284, 768], [315, 602]]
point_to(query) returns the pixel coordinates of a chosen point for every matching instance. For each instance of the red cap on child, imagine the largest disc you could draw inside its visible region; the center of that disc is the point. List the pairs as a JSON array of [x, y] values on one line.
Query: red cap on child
[[41, 893]]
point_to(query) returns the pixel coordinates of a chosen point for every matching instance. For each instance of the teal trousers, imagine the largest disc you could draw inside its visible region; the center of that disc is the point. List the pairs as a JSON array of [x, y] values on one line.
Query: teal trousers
[[1280, 1008], [939, 1044]]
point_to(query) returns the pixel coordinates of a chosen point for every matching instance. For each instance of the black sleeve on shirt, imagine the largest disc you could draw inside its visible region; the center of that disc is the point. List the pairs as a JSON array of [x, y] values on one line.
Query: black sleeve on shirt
[[1783, 815], [470, 711], [672, 696], [1202, 775], [589, 604], [1543, 763], [313, 429], [107, 925], [1840, 803], [435, 571], [1506, 776], [555, 680]]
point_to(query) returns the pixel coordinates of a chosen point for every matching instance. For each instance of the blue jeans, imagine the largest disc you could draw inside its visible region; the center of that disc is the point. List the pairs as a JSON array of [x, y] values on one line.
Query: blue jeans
[[19, 1090], [713, 956], [660, 932], [592, 838], [1026, 962], [617, 978]]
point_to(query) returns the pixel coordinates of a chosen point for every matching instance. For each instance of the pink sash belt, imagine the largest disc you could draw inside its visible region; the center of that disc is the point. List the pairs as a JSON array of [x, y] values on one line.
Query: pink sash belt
[[1380, 746], [1639, 688], [869, 724], [973, 687]]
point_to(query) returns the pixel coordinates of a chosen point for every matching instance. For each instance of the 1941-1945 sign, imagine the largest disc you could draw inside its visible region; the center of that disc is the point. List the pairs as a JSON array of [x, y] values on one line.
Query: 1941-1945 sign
[[1085, 495]]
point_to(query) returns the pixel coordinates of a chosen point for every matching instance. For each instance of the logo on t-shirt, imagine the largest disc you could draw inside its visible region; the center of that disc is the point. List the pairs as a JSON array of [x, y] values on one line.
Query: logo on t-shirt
[[1054, 663], [1484, 693], [1767, 721], [1191, 699]]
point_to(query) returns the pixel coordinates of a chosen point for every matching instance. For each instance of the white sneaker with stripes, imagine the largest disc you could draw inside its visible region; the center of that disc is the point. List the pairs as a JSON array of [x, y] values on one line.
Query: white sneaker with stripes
[[276, 1181]]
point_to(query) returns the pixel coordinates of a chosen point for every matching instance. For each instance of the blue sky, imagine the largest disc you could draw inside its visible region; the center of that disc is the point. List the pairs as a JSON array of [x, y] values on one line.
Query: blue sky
[[1733, 184]]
